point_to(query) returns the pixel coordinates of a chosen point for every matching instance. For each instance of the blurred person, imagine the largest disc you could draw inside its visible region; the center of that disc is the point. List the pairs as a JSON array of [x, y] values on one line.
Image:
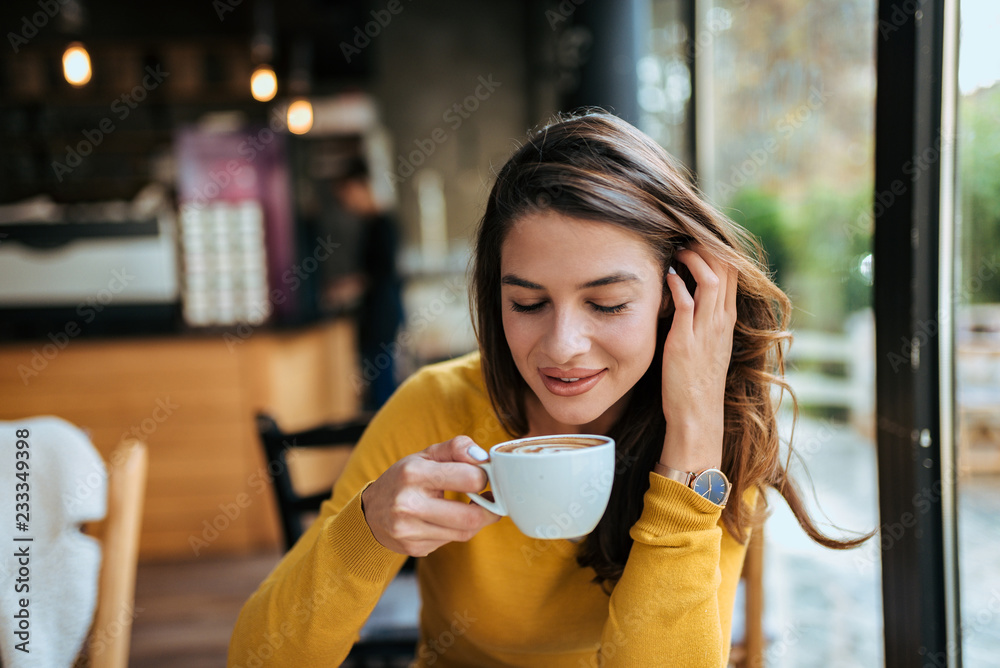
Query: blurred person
[[609, 299], [377, 289]]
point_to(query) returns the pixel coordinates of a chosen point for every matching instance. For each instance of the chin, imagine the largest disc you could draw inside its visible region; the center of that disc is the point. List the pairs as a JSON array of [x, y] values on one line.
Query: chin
[[575, 416]]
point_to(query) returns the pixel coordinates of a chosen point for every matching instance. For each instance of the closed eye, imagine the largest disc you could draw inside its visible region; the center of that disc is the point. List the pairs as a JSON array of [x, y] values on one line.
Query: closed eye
[[610, 309], [526, 308], [531, 308]]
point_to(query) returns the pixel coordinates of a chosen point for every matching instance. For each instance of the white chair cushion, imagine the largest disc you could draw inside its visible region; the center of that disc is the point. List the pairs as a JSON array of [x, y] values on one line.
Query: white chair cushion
[[58, 578]]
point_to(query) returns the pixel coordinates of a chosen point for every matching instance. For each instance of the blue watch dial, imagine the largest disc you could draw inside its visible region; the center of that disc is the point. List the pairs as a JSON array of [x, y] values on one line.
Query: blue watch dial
[[712, 485]]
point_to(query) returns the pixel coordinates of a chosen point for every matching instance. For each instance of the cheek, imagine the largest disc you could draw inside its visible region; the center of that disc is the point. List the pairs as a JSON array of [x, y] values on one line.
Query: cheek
[[635, 341], [517, 334]]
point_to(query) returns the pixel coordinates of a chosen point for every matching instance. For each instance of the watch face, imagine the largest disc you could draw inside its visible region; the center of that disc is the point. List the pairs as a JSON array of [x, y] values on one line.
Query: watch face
[[712, 485]]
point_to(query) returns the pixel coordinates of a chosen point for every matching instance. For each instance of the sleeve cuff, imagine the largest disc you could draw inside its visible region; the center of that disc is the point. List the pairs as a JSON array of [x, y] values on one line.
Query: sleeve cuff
[[351, 538], [670, 507]]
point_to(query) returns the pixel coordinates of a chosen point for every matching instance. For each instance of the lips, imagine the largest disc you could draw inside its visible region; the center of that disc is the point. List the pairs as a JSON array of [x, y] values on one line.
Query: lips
[[570, 382]]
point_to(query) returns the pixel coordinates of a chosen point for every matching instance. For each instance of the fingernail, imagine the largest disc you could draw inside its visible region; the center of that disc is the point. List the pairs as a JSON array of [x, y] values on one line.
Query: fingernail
[[477, 453], [671, 270]]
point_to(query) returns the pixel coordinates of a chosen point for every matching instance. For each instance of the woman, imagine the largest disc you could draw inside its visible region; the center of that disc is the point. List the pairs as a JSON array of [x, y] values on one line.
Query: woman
[[609, 299]]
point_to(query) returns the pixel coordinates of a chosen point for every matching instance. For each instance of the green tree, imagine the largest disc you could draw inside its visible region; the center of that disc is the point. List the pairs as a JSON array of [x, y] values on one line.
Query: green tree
[[979, 184], [760, 213]]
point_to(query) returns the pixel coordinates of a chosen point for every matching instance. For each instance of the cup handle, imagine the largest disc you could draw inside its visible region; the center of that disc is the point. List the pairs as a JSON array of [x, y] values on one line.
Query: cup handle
[[495, 507]]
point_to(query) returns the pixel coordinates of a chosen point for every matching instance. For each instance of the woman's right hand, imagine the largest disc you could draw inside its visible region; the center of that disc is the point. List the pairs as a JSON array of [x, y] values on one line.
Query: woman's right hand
[[405, 507]]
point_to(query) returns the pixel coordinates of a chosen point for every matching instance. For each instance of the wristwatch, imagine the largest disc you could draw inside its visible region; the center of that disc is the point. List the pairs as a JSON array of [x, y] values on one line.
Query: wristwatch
[[711, 484]]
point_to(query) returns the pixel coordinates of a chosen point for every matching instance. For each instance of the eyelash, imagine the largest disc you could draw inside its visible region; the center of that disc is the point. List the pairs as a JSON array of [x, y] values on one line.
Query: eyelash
[[531, 308]]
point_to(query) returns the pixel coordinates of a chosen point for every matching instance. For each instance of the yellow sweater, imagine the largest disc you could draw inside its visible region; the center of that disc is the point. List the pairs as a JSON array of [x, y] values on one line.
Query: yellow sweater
[[501, 599]]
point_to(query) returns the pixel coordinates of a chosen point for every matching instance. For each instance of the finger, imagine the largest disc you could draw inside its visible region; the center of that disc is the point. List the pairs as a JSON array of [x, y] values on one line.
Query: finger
[[707, 282], [455, 477], [455, 515], [727, 275], [458, 449], [437, 524], [732, 287], [422, 473], [683, 302]]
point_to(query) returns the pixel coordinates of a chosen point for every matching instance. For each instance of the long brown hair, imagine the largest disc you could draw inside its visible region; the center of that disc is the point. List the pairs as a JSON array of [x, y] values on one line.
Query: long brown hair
[[595, 166]]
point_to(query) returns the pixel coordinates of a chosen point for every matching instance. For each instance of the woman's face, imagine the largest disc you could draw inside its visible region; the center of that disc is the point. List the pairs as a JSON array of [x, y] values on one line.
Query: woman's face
[[580, 301]]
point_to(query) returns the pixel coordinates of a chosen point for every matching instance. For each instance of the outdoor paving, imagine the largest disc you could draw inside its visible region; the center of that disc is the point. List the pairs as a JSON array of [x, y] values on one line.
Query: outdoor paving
[[823, 607]]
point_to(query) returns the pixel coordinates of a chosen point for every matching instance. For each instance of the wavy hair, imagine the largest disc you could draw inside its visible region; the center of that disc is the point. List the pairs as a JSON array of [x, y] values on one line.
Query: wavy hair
[[594, 166]]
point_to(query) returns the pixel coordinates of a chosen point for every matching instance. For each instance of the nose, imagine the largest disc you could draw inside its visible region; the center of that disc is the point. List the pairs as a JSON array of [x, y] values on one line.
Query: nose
[[568, 338]]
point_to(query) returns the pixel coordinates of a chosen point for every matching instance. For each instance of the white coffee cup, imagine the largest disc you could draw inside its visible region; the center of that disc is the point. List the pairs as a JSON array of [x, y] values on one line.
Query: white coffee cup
[[551, 486]]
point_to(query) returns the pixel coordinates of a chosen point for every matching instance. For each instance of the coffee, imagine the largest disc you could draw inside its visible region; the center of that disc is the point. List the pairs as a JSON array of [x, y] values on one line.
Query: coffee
[[544, 446]]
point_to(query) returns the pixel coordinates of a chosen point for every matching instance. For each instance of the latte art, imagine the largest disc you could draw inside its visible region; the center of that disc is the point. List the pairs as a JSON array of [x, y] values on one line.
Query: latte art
[[545, 446], [533, 448]]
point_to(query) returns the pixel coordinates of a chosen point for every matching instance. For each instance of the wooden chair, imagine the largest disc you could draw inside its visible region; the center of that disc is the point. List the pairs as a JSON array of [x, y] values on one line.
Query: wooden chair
[[111, 631], [749, 651], [391, 633], [295, 509]]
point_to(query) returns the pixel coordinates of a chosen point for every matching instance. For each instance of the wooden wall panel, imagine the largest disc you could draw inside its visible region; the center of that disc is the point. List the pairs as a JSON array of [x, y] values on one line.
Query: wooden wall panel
[[191, 399]]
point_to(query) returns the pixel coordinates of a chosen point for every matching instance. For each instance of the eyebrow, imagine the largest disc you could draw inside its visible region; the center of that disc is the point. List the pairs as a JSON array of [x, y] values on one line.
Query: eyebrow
[[621, 277]]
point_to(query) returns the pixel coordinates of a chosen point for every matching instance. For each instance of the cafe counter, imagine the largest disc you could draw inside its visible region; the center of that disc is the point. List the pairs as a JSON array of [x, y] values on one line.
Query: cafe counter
[[192, 399]]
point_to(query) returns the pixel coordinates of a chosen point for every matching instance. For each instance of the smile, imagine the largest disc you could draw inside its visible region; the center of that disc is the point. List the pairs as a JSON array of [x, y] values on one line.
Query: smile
[[571, 382]]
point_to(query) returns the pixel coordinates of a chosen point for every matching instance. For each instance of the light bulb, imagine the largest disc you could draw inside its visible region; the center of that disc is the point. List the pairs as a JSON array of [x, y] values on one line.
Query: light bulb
[[263, 83], [76, 64], [300, 117]]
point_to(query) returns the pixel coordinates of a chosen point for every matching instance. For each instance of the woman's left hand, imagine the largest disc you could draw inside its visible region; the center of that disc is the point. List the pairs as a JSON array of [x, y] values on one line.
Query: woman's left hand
[[696, 361]]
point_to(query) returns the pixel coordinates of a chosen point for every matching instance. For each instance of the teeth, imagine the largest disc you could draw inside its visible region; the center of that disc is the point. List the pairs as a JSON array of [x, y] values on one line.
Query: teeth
[[569, 380]]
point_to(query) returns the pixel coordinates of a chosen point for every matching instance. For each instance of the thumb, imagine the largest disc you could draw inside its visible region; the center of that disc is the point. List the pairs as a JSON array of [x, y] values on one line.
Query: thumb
[[459, 449]]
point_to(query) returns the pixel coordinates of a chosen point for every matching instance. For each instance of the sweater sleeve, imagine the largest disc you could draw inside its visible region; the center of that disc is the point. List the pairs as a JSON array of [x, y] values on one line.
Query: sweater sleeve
[[686, 618], [309, 610]]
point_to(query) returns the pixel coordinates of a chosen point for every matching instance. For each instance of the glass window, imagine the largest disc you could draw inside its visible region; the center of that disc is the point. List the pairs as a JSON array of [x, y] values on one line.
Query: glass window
[[785, 103], [977, 330]]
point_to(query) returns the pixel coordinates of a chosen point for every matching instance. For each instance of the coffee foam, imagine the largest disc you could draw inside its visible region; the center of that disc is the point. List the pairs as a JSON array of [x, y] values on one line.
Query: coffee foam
[[539, 446], [532, 448]]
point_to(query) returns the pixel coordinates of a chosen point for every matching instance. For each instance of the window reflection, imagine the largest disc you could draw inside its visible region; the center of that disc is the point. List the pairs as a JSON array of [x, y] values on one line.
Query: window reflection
[[785, 135]]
